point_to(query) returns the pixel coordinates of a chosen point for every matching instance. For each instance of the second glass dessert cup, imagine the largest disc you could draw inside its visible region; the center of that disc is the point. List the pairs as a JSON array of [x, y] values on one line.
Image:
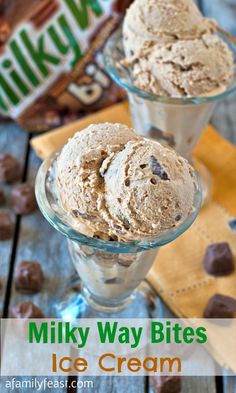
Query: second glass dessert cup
[[110, 272], [177, 122]]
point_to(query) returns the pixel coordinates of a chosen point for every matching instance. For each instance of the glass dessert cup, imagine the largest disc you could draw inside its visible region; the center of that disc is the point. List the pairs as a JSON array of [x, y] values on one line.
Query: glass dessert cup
[[177, 122], [110, 272]]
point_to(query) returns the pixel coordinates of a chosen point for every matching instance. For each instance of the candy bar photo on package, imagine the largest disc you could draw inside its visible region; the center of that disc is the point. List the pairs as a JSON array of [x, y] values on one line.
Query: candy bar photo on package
[[51, 60]]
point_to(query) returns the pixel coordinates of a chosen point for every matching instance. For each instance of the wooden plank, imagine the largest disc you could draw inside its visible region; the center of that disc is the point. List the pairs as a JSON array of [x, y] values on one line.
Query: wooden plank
[[190, 384], [229, 384], [39, 241], [14, 141], [122, 384], [116, 385]]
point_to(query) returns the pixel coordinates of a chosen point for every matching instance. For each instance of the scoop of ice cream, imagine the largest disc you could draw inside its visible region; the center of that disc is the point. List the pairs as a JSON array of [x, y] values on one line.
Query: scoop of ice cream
[[119, 186], [80, 185], [148, 189], [150, 22], [185, 68], [172, 50]]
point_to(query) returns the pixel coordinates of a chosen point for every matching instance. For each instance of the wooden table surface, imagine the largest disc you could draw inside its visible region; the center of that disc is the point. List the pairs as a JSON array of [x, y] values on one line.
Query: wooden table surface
[[35, 239]]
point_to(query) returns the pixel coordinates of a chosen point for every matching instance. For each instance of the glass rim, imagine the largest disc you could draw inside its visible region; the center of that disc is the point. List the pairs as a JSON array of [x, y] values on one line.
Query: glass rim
[[111, 67], [55, 219]]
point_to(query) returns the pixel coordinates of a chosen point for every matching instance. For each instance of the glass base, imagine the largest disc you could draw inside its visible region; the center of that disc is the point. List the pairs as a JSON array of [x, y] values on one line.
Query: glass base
[[205, 179], [76, 302]]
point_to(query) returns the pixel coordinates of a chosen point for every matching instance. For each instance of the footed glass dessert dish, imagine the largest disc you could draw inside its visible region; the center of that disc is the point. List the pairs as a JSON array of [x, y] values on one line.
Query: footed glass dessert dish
[[177, 122], [111, 273]]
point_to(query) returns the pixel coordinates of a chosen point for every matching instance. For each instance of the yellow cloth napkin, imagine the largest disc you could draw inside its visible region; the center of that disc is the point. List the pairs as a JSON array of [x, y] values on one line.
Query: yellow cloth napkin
[[178, 274], [47, 143]]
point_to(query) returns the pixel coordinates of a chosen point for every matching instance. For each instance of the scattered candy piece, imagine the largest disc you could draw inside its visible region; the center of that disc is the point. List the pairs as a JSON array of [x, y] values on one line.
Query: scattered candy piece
[[5, 226], [23, 199], [220, 306], [219, 260], [166, 384], [29, 277], [9, 169], [26, 310]]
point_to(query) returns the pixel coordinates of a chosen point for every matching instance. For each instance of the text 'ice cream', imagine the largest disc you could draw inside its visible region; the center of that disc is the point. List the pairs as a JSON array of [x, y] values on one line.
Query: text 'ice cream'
[[172, 50], [119, 186]]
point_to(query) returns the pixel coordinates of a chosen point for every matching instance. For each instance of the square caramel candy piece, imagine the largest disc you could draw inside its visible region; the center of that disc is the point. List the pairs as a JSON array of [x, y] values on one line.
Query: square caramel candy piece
[[166, 384], [220, 306], [5, 226], [23, 199], [29, 277], [26, 310], [10, 170], [219, 260]]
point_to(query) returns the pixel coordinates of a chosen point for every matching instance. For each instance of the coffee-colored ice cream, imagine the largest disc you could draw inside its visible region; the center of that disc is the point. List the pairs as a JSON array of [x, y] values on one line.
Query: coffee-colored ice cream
[[185, 68], [80, 184], [172, 50], [119, 186], [151, 22]]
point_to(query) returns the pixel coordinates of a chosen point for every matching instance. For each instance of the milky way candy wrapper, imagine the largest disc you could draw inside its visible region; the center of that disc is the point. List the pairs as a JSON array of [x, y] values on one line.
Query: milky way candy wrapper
[[51, 69]]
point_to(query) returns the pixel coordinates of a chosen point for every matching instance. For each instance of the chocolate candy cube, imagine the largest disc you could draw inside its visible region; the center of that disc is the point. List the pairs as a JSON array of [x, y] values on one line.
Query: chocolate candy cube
[[2, 197], [26, 310], [166, 384], [29, 277], [23, 199], [219, 260], [9, 169], [220, 306], [5, 226]]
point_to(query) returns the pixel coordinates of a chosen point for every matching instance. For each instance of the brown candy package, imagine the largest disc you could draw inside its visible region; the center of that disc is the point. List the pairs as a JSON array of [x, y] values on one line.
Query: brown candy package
[[51, 68]]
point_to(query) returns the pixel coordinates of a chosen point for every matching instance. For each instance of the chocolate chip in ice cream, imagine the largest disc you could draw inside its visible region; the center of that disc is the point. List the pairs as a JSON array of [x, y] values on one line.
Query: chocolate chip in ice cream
[[5, 226], [9, 169], [26, 310], [220, 306], [115, 280], [126, 223], [157, 169], [178, 218], [29, 277], [219, 260], [23, 199], [113, 238], [163, 136], [85, 216]]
